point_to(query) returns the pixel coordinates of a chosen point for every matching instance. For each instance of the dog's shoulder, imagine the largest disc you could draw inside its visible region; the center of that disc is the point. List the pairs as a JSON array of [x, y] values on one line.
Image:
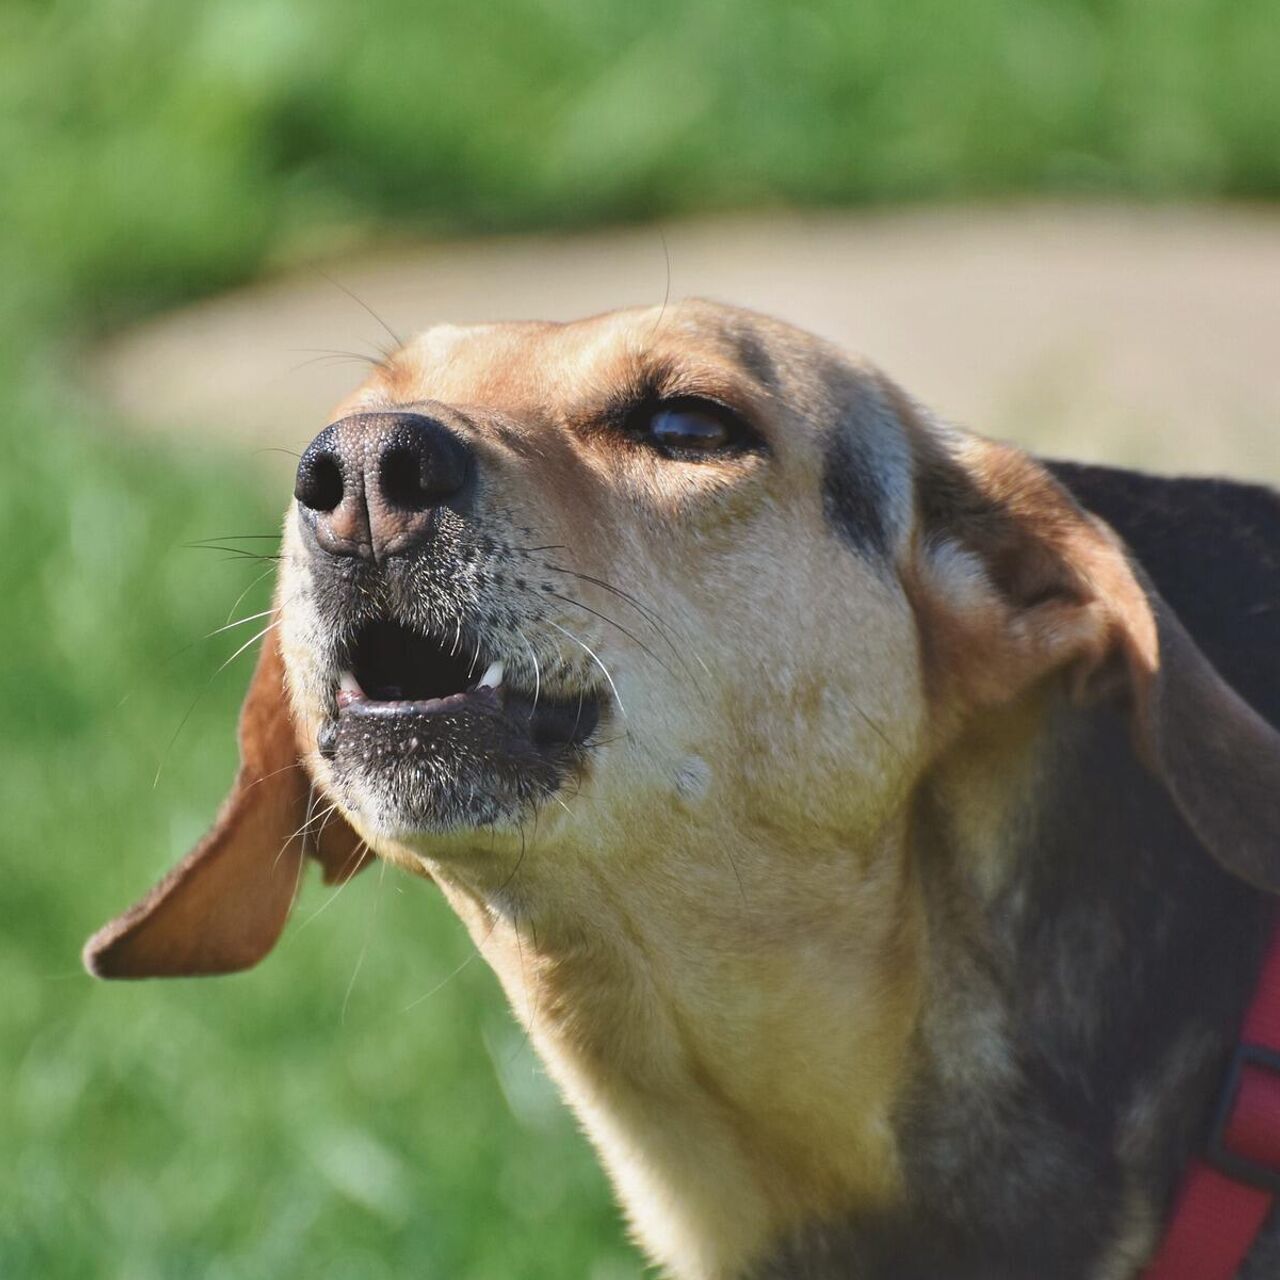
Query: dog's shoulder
[[1212, 548]]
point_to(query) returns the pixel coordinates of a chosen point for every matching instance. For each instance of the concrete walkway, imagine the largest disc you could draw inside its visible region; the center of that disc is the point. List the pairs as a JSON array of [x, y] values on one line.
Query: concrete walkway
[[1149, 337]]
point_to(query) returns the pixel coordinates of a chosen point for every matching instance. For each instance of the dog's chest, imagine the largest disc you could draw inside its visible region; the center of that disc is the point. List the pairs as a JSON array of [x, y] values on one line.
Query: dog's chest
[[724, 1124]]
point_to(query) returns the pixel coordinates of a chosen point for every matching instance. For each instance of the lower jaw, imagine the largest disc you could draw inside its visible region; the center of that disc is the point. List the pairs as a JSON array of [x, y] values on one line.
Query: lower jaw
[[465, 768]]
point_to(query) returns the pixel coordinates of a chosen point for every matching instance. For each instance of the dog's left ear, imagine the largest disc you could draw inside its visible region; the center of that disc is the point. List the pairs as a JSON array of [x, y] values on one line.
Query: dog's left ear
[[1013, 582], [224, 905], [1218, 757]]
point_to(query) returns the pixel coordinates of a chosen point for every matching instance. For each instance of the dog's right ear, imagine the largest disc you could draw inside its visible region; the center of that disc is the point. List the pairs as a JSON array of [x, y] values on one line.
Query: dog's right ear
[[224, 905], [1013, 582]]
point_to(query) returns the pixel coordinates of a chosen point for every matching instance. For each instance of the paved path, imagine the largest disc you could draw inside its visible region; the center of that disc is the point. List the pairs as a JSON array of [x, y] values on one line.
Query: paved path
[[1148, 337]]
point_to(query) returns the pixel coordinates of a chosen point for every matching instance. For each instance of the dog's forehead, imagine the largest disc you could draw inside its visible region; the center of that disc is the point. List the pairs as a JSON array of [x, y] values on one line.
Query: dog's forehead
[[520, 366]]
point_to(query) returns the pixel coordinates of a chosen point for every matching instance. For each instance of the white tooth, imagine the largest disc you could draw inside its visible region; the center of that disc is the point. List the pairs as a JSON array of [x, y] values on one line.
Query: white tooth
[[348, 683], [493, 677]]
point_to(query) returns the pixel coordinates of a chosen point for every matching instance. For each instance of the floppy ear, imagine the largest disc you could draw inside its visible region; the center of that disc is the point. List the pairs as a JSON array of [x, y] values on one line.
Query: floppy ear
[[1013, 582], [1218, 757], [224, 905]]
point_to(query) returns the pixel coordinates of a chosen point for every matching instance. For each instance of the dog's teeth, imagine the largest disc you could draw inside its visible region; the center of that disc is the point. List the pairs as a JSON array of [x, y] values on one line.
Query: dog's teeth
[[349, 689], [492, 678]]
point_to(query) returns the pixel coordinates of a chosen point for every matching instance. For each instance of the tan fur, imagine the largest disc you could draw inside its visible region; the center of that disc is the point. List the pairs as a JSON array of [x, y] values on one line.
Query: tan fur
[[653, 956], [719, 943]]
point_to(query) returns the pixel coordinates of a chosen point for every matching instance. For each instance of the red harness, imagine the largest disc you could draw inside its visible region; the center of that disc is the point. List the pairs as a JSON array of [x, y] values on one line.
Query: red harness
[[1227, 1194]]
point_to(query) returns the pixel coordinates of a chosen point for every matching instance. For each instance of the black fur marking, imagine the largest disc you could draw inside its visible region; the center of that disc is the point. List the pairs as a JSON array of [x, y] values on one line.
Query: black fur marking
[[852, 496], [755, 358]]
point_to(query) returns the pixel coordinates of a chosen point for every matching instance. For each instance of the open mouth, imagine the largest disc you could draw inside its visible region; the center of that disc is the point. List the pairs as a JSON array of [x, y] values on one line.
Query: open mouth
[[448, 733], [397, 673]]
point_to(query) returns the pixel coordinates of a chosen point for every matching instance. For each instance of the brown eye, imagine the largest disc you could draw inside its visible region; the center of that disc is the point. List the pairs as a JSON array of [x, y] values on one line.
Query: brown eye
[[688, 429], [691, 429]]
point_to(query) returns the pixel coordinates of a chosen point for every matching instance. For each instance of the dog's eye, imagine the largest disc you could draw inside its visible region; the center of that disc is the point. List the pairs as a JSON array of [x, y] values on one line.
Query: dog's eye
[[689, 429]]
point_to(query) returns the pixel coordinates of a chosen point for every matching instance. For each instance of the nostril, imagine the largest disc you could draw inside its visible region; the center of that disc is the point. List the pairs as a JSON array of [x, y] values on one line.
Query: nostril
[[401, 480], [319, 484], [421, 465]]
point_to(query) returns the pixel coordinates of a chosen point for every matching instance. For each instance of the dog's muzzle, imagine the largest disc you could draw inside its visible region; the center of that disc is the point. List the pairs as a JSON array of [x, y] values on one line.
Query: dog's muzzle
[[433, 719]]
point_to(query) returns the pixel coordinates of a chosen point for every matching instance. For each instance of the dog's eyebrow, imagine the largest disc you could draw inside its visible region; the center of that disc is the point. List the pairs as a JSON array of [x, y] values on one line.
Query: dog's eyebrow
[[669, 378]]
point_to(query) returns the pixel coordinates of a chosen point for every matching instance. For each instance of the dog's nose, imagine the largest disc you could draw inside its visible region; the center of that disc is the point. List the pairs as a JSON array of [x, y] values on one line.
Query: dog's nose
[[369, 485]]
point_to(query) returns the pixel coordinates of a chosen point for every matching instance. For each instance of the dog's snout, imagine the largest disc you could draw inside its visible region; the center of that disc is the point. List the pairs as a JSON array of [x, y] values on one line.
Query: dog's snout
[[370, 485]]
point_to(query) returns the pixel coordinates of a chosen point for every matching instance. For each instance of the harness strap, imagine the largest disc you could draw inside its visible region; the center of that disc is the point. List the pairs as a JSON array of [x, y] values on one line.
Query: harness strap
[[1227, 1194]]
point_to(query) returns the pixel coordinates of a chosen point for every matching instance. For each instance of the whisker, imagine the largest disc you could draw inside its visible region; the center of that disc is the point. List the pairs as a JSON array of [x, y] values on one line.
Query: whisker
[[875, 726], [368, 934], [239, 622], [349, 867], [502, 888], [728, 853], [289, 839], [327, 903], [645, 612], [234, 537], [605, 618], [231, 612], [321, 352], [395, 337], [537, 671], [300, 869], [666, 293], [168, 661], [531, 1006], [306, 823], [243, 647], [478, 946], [155, 782], [657, 623], [284, 768], [335, 357], [595, 658], [448, 978], [235, 553]]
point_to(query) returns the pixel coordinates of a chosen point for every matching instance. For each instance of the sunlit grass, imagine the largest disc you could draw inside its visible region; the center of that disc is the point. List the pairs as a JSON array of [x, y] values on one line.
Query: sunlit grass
[[315, 1117], [157, 147]]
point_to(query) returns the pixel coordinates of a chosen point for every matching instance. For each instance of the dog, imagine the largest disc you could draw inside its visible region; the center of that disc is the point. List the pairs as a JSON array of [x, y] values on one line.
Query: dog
[[856, 810]]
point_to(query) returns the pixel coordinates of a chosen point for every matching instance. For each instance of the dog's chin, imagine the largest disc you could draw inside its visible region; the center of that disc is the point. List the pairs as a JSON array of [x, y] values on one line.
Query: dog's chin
[[485, 758]]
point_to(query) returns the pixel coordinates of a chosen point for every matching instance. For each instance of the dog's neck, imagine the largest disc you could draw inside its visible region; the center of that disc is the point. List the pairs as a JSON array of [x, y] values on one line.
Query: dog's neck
[[942, 1036], [731, 1037]]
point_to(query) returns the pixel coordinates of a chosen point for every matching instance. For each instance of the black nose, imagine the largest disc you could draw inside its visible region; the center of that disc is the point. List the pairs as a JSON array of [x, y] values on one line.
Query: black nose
[[370, 485]]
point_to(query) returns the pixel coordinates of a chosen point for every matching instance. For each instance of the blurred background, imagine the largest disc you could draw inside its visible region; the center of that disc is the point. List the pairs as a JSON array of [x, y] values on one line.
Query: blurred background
[[1051, 218]]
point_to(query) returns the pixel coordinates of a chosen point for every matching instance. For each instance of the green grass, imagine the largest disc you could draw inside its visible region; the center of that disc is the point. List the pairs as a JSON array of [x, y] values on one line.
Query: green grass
[[318, 1117], [152, 148]]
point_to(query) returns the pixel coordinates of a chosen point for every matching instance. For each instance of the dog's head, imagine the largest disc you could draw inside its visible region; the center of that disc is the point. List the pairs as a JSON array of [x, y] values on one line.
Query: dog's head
[[680, 575]]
